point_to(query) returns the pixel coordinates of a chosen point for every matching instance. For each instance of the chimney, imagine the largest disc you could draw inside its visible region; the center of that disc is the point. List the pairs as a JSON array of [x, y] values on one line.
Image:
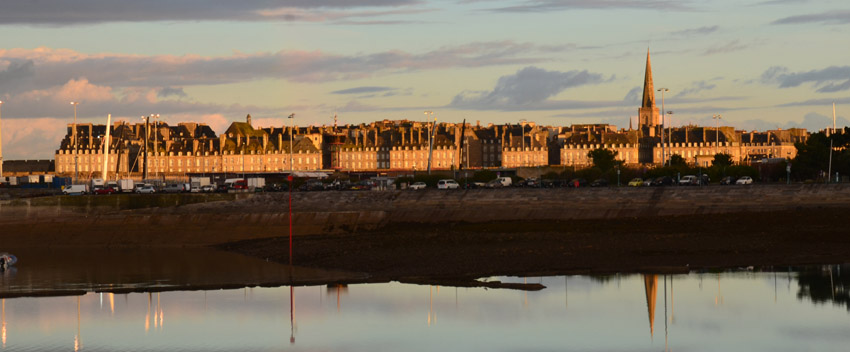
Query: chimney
[[280, 141], [265, 141], [402, 136], [91, 140], [411, 136], [248, 119]]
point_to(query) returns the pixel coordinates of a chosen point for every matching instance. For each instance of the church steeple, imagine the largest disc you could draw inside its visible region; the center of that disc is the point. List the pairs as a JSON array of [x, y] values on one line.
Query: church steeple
[[649, 118], [648, 89]]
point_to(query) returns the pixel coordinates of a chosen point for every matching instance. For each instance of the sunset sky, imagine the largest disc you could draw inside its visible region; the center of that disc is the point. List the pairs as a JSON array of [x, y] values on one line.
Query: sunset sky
[[761, 64]]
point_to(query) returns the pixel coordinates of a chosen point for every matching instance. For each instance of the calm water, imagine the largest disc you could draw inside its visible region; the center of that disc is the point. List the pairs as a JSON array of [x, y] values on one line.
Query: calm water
[[789, 310]]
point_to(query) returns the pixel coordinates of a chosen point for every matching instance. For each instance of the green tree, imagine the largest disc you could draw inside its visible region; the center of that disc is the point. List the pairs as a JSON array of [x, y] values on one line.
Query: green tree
[[722, 160], [677, 160], [603, 158]]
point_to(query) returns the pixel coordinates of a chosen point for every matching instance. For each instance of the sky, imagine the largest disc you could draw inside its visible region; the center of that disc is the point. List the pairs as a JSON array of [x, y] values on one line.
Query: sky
[[759, 64]]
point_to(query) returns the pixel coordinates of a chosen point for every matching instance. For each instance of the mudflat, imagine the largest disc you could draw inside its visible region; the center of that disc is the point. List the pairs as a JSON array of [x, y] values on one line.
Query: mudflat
[[413, 252]]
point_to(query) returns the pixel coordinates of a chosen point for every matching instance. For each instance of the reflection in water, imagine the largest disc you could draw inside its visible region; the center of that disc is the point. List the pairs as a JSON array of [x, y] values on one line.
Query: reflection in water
[[650, 282], [603, 314], [823, 285], [3, 332]]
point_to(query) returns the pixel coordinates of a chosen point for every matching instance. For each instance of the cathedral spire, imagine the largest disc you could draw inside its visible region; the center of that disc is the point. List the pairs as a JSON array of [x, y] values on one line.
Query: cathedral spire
[[648, 89]]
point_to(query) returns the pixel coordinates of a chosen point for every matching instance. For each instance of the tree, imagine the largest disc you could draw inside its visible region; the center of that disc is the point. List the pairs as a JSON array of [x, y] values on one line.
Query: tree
[[677, 160], [603, 158], [722, 160]]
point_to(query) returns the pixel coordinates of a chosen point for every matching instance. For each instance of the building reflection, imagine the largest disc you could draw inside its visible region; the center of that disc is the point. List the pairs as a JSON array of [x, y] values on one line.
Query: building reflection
[[338, 290], [158, 315], [78, 341], [650, 284], [3, 318]]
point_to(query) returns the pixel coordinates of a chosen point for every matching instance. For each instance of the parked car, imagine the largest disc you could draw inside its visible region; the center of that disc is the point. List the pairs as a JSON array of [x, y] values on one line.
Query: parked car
[[577, 182], [312, 185], [173, 188], [208, 188], [275, 187], [599, 183], [494, 184], [636, 182], [146, 189], [728, 180], [532, 182], [688, 180], [662, 181], [744, 180], [104, 190], [417, 185], [447, 184]]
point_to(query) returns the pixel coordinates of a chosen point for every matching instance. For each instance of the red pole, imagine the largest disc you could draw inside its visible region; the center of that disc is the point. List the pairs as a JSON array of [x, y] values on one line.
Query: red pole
[[290, 219]]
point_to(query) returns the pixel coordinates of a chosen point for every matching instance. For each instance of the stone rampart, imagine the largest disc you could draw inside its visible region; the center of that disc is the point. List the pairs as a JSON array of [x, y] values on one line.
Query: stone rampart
[[197, 220]]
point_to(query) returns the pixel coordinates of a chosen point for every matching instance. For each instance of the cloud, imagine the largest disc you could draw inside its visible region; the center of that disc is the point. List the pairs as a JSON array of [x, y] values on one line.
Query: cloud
[[812, 122], [828, 80], [696, 87], [171, 91], [96, 101], [59, 12], [362, 90], [529, 88], [634, 96], [561, 5], [687, 33], [831, 17], [729, 47], [29, 69]]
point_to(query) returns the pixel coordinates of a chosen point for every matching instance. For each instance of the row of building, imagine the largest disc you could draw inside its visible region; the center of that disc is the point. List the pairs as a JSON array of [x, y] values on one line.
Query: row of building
[[158, 148]]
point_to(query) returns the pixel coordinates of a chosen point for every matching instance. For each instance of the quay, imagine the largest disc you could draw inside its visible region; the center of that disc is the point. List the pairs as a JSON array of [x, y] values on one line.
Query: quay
[[191, 220]]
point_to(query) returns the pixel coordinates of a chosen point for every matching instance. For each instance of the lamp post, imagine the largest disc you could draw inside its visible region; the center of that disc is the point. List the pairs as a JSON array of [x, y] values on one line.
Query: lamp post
[[522, 139], [291, 184], [146, 119], [291, 129], [431, 139], [716, 131], [76, 167], [669, 136], [155, 145], [663, 120]]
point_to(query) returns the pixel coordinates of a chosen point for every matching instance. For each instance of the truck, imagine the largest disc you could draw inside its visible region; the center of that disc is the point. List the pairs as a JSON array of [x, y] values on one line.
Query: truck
[[95, 182], [126, 185], [196, 183], [256, 183]]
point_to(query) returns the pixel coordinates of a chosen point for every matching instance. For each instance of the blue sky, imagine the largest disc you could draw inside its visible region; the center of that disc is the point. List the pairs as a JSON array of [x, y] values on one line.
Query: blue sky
[[761, 64]]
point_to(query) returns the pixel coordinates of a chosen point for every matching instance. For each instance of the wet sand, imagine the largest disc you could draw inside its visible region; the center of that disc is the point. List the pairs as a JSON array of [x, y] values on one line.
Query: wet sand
[[429, 253]]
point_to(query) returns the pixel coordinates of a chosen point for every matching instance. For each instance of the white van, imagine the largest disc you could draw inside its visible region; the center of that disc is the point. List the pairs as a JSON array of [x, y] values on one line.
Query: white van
[[447, 184], [75, 190]]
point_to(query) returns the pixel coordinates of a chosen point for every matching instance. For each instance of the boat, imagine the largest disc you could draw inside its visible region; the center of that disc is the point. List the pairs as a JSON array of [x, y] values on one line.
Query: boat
[[7, 260]]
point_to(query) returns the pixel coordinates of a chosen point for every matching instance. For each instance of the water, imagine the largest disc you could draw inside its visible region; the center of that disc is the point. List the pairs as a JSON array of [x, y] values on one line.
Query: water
[[783, 310]]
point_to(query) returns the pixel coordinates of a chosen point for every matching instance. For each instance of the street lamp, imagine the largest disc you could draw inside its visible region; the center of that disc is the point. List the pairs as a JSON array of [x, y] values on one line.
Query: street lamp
[[669, 136], [716, 131], [291, 121], [155, 149], [663, 120], [431, 138], [76, 167]]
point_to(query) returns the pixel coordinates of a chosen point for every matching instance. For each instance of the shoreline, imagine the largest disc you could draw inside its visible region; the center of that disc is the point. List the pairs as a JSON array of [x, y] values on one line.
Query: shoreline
[[673, 244]]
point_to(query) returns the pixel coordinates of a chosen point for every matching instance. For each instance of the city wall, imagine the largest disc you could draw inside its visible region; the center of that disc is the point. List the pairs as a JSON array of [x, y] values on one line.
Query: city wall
[[199, 220]]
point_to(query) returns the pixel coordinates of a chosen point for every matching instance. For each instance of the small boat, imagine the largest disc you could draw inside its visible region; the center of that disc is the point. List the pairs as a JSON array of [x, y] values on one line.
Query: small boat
[[7, 260]]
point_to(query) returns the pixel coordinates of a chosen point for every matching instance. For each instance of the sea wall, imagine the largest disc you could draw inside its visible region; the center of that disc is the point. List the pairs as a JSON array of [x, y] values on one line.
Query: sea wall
[[197, 220]]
